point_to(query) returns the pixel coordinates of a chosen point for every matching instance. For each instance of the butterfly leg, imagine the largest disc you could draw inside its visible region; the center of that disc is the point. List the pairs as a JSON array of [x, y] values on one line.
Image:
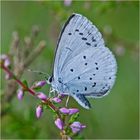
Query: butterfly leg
[[82, 100], [67, 101], [52, 91]]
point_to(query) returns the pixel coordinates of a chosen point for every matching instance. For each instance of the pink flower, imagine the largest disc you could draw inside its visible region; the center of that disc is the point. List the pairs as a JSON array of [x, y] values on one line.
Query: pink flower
[[64, 110], [39, 111], [56, 99], [5, 59], [39, 84], [7, 62], [20, 94], [73, 111], [59, 123], [68, 111], [77, 127], [41, 96]]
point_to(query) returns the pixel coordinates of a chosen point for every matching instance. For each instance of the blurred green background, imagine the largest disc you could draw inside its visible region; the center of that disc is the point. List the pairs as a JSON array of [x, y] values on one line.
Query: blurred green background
[[112, 117]]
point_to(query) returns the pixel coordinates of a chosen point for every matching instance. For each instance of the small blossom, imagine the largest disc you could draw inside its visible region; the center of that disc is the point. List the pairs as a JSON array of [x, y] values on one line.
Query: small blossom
[[64, 110], [67, 2], [5, 59], [56, 99], [39, 111], [59, 123], [77, 127], [41, 96], [73, 111], [7, 62], [20, 94], [39, 84]]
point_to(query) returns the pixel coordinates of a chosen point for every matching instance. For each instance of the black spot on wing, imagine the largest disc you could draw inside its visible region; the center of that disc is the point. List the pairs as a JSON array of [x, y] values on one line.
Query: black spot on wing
[[71, 70], [80, 33], [87, 43], [83, 38], [97, 68], [93, 40], [94, 84], [77, 30], [95, 45], [84, 57]]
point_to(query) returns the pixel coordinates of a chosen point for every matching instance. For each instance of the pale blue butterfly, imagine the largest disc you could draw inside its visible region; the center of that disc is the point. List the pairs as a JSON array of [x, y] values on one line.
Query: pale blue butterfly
[[83, 66]]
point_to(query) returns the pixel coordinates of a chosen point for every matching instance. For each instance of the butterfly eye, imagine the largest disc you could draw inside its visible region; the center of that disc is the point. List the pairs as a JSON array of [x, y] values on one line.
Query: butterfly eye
[[50, 79]]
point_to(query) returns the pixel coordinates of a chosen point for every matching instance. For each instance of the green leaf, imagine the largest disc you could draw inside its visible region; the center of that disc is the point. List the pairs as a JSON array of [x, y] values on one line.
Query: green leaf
[[74, 117], [25, 83]]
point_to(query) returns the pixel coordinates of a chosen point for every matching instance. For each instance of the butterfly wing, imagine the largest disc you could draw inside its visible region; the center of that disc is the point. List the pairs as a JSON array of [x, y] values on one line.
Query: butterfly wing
[[77, 29], [86, 67]]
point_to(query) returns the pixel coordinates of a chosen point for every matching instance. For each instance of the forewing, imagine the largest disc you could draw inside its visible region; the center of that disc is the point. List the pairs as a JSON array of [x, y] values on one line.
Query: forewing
[[78, 34]]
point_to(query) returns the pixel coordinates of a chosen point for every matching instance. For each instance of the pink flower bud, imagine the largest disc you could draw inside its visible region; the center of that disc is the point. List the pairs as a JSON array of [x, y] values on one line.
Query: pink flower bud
[[56, 99], [39, 84], [20, 94], [41, 96], [7, 62], [73, 111], [59, 123], [5, 59], [64, 110], [77, 127], [39, 111]]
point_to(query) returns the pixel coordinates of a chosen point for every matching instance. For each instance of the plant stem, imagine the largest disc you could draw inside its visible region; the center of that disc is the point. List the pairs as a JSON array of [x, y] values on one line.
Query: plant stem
[[27, 88]]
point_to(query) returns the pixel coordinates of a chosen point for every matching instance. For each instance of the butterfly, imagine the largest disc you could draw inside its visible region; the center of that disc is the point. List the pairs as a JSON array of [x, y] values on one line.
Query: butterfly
[[83, 67]]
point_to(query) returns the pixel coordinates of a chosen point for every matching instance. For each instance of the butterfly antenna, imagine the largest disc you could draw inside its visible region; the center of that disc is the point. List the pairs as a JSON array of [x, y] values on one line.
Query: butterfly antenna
[[40, 73]]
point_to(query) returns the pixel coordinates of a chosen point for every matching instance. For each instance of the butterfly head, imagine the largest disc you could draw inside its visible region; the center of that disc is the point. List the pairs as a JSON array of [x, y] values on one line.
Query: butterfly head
[[49, 80]]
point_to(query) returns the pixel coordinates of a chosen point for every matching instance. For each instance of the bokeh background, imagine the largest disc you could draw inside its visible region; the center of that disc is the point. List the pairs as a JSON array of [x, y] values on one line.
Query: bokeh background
[[115, 116]]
